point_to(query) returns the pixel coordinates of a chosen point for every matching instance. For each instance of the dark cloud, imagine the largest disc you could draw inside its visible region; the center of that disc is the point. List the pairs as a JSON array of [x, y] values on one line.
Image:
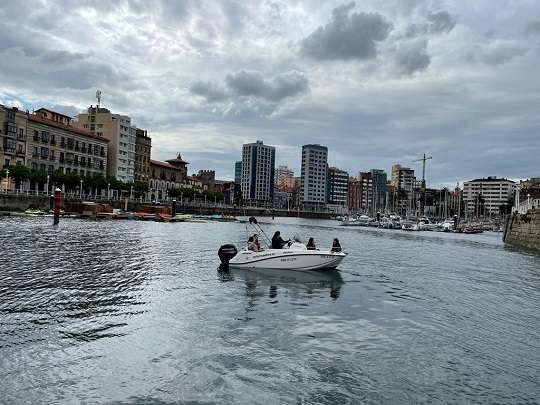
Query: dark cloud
[[441, 22], [252, 83], [412, 56], [347, 36], [210, 91], [533, 27]]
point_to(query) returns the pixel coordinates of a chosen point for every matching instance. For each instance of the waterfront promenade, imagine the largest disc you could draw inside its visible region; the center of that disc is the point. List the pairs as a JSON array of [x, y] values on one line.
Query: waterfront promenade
[[15, 201]]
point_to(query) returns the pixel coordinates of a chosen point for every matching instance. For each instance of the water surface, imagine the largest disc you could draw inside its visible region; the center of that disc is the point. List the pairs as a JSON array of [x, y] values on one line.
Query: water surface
[[137, 312]]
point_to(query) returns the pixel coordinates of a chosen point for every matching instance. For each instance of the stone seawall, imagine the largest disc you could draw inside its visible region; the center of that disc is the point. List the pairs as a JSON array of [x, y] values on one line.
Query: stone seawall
[[523, 230]]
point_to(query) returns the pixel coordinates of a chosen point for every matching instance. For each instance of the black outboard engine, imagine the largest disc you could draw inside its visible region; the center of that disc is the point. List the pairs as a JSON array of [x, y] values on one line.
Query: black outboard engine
[[226, 253]]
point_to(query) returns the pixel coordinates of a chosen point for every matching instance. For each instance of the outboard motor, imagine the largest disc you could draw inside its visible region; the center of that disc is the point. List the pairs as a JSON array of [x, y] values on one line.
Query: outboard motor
[[226, 253]]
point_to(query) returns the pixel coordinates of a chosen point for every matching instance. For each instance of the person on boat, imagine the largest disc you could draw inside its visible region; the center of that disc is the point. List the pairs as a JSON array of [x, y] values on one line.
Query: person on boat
[[311, 244], [277, 241], [336, 247], [251, 243], [256, 243]]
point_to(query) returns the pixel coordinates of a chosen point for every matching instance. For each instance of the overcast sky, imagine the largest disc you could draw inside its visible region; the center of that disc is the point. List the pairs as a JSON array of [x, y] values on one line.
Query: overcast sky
[[377, 81]]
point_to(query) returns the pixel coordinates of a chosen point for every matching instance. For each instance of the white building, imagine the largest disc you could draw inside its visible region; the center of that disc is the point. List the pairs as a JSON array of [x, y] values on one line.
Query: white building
[[483, 197], [121, 135], [258, 162], [313, 176]]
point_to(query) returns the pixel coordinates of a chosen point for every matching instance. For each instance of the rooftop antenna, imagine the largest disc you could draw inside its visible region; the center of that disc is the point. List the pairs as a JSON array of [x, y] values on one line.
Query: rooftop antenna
[[98, 96]]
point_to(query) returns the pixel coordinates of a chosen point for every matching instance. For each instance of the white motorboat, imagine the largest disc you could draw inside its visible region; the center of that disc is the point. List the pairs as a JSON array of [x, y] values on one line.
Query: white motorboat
[[295, 257]]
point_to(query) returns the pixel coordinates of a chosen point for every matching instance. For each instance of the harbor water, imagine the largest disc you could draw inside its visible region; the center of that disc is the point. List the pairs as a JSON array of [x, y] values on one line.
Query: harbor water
[[138, 313]]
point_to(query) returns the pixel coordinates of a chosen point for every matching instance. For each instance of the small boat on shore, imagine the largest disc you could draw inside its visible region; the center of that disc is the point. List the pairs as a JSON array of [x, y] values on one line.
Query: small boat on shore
[[33, 212]]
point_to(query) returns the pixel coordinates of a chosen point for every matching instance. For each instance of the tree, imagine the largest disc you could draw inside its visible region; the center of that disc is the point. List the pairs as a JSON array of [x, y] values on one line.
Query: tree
[[141, 186], [38, 177], [19, 173]]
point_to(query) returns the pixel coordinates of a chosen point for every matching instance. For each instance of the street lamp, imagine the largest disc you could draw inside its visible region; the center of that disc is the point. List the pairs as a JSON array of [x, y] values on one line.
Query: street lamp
[[108, 190], [7, 179], [80, 189], [47, 189], [131, 193]]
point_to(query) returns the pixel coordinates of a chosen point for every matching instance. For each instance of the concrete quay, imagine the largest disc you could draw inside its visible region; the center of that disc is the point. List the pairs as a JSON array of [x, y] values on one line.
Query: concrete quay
[[18, 203]]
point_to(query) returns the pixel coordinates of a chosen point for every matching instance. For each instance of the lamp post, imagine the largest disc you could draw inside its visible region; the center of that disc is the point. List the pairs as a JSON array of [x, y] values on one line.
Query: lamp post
[[528, 201], [80, 189], [131, 193], [7, 179], [47, 188], [108, 190]]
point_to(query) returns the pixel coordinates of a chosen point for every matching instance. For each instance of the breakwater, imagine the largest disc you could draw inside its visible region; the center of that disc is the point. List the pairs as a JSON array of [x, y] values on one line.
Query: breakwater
[[523, 230]]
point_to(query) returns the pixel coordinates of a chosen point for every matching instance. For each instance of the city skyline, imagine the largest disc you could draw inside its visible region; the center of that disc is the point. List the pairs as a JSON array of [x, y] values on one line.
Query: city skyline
[[378, 83]]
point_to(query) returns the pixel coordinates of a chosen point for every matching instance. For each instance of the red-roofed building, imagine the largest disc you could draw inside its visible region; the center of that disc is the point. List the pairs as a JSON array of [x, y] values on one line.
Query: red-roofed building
[[47, 141], [167, 175]]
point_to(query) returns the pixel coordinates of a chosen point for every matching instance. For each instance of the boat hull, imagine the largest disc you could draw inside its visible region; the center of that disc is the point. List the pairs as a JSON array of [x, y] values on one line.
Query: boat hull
[[283, 259]]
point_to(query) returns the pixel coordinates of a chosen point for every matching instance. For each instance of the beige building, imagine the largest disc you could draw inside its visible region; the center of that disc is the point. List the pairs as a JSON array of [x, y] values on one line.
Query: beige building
[[53, 143], [117, 129], [13, 134], [167, 175], [48, 141], [484, 197], [143, 149]]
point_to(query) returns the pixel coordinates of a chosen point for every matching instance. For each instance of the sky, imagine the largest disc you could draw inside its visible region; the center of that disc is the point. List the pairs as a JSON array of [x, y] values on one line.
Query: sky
[[377, 81]]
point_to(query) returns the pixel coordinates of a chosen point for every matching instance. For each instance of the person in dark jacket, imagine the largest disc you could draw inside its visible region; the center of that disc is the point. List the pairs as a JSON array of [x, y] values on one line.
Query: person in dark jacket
[[277, 241], [336, 247], [311, 244]]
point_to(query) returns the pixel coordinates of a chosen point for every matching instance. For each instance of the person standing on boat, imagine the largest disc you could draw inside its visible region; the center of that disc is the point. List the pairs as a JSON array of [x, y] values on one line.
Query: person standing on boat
[[311, 244], [336, 247], [277, 241]]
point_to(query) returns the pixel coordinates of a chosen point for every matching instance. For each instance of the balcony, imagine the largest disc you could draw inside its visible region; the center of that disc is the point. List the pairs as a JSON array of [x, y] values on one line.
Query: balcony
[[63, 144], [21, 153], [61, 160], [35, 155], [53, 142], [77, 149], [36, 138], [83, 149], [102, 154], [52, 158], [45, 157]]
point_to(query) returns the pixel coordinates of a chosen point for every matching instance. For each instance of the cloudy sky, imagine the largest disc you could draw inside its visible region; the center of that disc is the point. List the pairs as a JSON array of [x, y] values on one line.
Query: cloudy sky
[[377, 81]]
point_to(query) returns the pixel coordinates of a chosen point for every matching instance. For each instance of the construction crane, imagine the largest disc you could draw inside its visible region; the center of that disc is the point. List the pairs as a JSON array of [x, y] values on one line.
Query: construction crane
[[423, 160]]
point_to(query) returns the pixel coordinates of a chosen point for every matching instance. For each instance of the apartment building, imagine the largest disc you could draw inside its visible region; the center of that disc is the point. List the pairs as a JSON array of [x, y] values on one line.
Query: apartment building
[[143, 149], [120, 133], [13, 135], [484, 196], [257, 183], [338, 182], [314, 168]]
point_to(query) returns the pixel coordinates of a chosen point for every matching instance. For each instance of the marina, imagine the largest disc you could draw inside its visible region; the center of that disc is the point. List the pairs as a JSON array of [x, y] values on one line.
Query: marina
[[139, 312]]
